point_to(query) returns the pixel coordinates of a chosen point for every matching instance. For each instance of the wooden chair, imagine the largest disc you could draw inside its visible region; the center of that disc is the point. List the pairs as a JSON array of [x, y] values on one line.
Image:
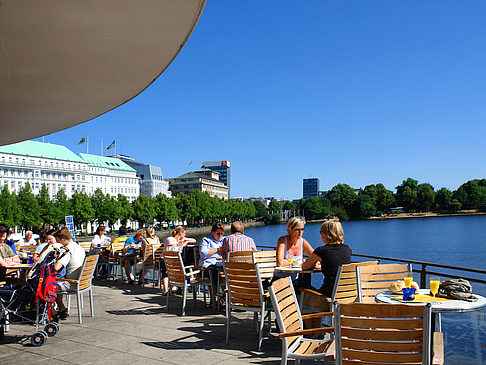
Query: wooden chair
[[149, 260], [179, 276], [114, 260], [240, 256], [290, 321], [345, 287], [386, 333], [245, 292], [158, 257], [374, 279], [83, 285], [28, 248], [86, 246], [267, 261]]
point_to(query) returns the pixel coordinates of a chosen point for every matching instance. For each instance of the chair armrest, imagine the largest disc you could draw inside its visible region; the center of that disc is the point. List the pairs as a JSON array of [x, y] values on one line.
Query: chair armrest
[[312, 292], [3, 283], [189, 267], [311, 331], [317, 315], [192, 273], [438, 349], [68, 280]]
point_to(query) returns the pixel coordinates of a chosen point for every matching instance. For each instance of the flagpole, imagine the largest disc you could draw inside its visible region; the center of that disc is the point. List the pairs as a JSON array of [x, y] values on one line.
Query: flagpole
[[102, 153], [87, 139]]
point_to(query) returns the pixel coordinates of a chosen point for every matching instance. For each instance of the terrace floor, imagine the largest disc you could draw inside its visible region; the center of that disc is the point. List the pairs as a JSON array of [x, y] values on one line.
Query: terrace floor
[[131, 325]]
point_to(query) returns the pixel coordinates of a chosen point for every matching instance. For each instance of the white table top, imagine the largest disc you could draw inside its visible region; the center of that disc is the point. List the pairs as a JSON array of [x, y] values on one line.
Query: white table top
[[438, 306]]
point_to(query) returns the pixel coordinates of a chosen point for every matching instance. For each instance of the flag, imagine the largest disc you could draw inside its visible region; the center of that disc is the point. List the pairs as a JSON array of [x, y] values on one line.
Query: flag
[[190, 163], [83, 140], [111, 145]]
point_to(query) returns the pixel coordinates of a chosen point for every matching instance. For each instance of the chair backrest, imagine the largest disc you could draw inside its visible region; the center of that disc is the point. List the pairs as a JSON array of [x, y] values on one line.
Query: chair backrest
[[243, 283], [28, 248], [382, 333], [240, 256], [117, 245], [374, 279], [159, 252], [175, 267], [346, 284], [286, 308], [88, 271], [86, 246], [148, 253], [267, 261]]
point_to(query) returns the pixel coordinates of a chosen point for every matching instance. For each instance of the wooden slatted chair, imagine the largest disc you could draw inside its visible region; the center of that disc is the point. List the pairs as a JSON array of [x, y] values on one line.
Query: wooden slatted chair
[[240, 256], [245, 292], [182, 277], [295, 344], [115, 260], [28, 248], [149, 259], [86, 246], [345, 287], [83, 285], [158, 257], [371, 333], [267, 261], [374, 279]]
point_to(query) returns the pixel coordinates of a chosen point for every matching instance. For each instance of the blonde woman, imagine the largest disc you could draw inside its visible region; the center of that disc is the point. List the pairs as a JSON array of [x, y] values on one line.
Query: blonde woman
[[150, 239], [330, 256], [291, 247], [178, 240]]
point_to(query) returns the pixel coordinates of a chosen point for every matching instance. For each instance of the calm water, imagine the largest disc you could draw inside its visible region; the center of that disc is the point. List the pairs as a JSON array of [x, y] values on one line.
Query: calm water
[[458, 241]]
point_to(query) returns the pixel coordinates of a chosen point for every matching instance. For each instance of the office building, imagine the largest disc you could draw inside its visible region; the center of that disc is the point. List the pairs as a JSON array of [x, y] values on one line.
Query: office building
[[223, 167], [151, 180], [204, 180], [310, 187], [59, 168]]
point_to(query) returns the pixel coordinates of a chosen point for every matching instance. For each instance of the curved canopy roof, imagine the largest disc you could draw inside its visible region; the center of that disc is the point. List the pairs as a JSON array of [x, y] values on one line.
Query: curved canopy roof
[[65, 62]]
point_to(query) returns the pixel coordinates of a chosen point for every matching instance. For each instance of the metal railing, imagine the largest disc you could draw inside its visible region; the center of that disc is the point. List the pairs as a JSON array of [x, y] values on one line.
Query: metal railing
[[424, 271], [424, 265]]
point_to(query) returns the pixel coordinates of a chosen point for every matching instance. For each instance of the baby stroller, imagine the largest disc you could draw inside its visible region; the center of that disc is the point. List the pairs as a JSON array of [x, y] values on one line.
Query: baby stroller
[[32, 302]]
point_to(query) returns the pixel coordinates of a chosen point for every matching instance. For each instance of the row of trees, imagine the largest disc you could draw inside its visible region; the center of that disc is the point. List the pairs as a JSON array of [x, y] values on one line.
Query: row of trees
[[376, 200], [26, 210]]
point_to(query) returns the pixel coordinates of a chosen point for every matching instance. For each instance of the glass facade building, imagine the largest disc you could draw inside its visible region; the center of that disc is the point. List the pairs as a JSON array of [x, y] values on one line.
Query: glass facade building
[[310, 187], [223, 167]]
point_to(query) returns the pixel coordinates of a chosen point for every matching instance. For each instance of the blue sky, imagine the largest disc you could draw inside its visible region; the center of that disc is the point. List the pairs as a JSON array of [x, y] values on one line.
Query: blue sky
[[355, 92]]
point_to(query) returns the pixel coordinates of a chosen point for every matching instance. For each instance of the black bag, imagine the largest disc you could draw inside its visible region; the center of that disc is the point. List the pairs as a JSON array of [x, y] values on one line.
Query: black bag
[[456, 289]]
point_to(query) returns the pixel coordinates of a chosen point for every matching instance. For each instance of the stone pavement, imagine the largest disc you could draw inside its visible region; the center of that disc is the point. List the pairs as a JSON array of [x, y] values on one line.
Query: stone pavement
[[131, 326]]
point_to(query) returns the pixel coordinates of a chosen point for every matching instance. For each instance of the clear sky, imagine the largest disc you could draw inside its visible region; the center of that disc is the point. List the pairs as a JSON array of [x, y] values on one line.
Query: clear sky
[[355, 92]]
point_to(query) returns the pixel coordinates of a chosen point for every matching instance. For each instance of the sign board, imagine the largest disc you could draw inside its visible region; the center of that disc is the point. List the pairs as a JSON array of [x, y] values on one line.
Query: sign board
[[70, 225]]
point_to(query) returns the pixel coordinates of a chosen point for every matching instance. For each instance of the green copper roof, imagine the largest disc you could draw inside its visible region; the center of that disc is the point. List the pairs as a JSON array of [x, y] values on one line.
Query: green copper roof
[[106, 162], [39, 149]]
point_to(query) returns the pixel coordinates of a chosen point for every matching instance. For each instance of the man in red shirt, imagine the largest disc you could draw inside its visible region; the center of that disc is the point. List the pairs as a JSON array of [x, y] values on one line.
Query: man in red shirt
[[236, 241]]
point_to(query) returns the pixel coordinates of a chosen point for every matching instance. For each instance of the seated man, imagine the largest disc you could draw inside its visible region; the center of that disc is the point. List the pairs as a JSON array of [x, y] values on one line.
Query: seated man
[[27, 240], [210, 257], [132, 244], [237, 241], [7, 256], [73, 262]]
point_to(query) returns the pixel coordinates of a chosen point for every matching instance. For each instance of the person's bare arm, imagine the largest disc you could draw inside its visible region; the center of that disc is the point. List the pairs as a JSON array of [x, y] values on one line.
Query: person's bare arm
[[281, 261], [308, 248], [311, 262]]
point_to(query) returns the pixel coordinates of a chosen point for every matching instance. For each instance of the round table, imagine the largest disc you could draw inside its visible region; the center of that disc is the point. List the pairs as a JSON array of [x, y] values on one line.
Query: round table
[[447, 306]]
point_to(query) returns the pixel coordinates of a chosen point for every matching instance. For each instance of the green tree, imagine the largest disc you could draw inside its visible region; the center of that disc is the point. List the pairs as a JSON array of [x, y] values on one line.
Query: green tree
[[425, 197], [260, 210], [113, 210], [46, 206], [143, 210], [126, 210], [288, 205], [8, 207], [385, 199], [274, 206], [28, 207], [406, 195], [99, 202], [81, 209], [343, 196], [443, 199], [186, 204], [165, 209], [367, 207], [472, 194], [313, 208], [61, 207]]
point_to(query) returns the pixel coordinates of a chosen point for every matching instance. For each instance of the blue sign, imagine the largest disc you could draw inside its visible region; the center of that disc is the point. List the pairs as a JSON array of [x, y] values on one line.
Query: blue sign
[[70, 225]]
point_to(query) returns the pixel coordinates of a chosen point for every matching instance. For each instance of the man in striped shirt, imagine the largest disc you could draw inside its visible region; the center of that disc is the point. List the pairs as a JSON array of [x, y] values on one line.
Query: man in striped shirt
[[236, 241]]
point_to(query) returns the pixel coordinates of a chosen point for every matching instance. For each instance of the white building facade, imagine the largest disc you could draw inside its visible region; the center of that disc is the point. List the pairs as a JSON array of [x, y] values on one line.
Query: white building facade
[[59, 168]]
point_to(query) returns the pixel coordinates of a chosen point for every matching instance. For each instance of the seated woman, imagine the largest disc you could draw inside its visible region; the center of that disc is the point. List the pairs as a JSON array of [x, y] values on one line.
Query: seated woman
[[178, 240], [291, 247], [132, 245], [330, 256], [100, 240]]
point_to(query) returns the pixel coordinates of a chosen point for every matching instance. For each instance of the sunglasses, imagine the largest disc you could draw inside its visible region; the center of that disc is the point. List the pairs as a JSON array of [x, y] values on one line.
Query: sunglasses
[[299, 230]]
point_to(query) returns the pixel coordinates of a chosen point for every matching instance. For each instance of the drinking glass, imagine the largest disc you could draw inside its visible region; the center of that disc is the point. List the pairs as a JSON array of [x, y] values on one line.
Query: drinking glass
[[408, 279], [434, 285]]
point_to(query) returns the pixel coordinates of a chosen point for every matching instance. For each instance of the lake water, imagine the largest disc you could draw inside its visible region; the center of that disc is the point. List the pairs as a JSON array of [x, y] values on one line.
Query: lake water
[[458, 241]]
